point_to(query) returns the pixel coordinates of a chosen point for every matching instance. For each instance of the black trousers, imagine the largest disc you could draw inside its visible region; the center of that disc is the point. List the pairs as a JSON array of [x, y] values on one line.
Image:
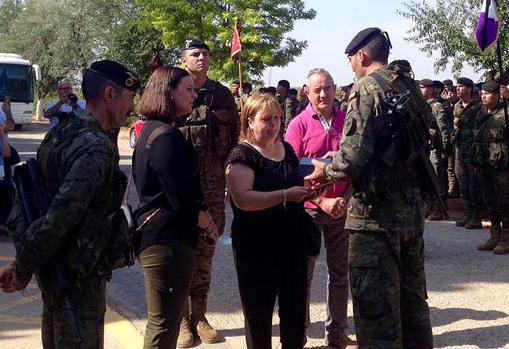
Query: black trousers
[[262, 278]]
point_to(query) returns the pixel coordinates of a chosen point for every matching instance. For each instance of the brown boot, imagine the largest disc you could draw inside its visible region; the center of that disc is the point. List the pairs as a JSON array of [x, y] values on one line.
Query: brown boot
[[436, 216], [503, 243], [342, 341], [492, 241], [200, 323], [468, 215], [474, 222], [185, 339]]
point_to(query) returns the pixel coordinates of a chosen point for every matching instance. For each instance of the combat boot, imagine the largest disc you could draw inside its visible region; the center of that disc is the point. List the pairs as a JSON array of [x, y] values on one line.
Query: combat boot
[[492, 241], [185, 339], [200, 323], [436, 216], [474, 222], [468, 216], [503, 243]]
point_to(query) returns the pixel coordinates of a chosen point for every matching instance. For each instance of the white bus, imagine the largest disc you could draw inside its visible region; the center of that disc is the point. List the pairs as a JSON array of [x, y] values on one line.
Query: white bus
[[17, 83]]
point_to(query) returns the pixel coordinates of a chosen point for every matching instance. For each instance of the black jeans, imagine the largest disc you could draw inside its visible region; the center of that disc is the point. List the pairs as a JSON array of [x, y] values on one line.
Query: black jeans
[[167, 270], [263, 277]]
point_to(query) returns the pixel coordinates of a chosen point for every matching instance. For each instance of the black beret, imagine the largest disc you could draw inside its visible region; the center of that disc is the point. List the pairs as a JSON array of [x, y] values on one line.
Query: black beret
[[425, 83], [361, 39], [491, 86], [117, 73], [403, 64], [450, 88], [346, 88], [448, 82], [284, 83], [465, 82], [193, 43], [438, 84]]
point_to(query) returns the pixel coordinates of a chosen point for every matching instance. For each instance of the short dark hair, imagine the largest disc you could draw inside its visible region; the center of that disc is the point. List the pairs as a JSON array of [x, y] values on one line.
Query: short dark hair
[[247, 87], [378, 48], [284, 83], [293, 92], [93, 86], [155, 103], [271, 90]]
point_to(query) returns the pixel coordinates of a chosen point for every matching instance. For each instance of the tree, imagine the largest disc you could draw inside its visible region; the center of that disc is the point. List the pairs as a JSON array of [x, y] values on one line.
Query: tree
[[264, 24], [448, 27]]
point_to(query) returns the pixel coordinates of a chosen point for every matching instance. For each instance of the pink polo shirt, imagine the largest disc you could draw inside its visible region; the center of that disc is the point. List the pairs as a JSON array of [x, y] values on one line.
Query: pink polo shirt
[[310, 139]]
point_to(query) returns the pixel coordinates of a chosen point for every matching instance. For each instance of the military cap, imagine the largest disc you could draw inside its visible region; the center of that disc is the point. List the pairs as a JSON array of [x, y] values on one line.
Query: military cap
[[450, 88], [438, 84], [402, 64], [491, 86], [361, 39], [117, 73], [346, 88], [465, 82], [448, 82], [235, 82], [284, 83], [193, 43], [425, 83]]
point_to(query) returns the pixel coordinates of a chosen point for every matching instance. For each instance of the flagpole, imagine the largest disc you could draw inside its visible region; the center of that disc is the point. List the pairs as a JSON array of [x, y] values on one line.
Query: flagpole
[[500, 67], [240, 80]]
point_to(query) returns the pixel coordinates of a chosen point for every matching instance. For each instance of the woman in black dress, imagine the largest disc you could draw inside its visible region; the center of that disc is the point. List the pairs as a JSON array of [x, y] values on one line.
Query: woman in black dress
[[165, 171], [268, 244]]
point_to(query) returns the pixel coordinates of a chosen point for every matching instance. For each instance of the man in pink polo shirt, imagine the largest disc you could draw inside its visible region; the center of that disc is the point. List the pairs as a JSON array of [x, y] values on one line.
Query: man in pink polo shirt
[[313, 133]]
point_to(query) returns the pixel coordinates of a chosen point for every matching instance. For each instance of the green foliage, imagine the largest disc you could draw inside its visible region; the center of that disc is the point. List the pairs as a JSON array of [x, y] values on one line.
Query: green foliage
[[448, 28], [264, 24], [65, 36]]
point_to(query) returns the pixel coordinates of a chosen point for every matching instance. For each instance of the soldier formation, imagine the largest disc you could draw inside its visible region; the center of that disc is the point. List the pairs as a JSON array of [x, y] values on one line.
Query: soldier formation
[[397, 147]]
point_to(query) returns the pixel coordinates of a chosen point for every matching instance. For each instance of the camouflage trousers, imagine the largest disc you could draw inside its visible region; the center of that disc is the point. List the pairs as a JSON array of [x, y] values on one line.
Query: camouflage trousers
[[88, 301], [495, 192], [388, 288], [469, 182], [200, 284]]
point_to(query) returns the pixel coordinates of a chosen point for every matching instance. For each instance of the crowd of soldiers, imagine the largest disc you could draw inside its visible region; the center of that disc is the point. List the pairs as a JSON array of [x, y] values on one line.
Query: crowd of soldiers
[[465, 134]]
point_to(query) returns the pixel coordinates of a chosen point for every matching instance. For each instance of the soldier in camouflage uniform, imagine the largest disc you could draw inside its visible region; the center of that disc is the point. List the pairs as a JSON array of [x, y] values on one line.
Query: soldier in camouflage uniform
[[465, 112], [287, 104], [490, 156], [439, 152], [212, 127], [385, 217], [77, 161]]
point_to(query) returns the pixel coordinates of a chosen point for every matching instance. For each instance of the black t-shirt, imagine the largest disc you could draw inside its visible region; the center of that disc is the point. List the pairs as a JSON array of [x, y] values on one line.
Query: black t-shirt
[[273, 229], [168, 166]]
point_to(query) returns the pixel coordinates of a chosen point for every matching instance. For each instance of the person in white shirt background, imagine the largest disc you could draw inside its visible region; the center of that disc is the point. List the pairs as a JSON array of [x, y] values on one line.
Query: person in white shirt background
[[67, 102]]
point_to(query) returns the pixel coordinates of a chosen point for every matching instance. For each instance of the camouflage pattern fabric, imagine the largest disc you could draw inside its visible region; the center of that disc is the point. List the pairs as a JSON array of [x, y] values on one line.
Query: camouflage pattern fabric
[[77, 162], [56, 333], [288, 106], [213, 129], [385, 218], [490, 153], [464, 127]]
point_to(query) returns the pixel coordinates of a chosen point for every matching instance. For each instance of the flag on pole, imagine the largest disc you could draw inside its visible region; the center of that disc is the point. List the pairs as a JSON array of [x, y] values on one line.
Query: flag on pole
[[488, 25], [156, 62], [236, 45]]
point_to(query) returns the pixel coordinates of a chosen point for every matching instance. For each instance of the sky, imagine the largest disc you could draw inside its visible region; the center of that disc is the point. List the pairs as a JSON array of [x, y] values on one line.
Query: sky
[[335, 25]]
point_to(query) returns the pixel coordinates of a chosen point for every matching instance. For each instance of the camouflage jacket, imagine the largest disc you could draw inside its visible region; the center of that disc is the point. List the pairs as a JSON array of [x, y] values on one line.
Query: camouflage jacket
[[213, 129], [490, 148], [288, 107], [464, 127], [77, 162], [384, 197], [444, 124]]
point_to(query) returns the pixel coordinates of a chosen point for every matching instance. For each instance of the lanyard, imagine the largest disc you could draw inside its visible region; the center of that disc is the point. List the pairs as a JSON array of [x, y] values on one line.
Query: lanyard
[[327, 126]]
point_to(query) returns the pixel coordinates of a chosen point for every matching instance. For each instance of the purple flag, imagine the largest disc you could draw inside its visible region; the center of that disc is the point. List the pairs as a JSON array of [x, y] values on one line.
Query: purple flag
[[487, 27]]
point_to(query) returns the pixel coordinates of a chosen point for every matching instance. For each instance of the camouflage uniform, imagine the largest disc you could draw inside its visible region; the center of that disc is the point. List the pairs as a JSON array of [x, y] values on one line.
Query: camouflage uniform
[[444, 125], [385, 219], [490, 154], [212, 127], [463, 138], [77, 162], [288, 106]]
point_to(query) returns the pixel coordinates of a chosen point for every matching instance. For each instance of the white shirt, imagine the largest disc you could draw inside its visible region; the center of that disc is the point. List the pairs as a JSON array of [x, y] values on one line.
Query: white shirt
[[65, 108]]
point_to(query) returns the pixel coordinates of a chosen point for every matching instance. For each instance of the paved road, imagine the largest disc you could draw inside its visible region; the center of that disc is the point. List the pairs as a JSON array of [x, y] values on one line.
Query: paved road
[[468, 290]]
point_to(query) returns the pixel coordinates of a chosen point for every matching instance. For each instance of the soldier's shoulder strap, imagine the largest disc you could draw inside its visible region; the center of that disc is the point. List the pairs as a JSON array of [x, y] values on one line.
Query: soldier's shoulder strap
[[382, 82]]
